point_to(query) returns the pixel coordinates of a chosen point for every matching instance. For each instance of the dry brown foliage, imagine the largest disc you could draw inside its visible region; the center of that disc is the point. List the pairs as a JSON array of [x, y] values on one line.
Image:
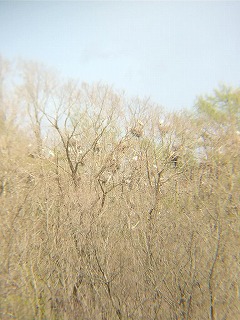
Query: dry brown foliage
[[98, 222]]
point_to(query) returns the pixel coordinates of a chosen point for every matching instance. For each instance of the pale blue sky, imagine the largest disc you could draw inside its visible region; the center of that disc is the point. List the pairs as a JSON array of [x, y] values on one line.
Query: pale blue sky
[[170, 51]]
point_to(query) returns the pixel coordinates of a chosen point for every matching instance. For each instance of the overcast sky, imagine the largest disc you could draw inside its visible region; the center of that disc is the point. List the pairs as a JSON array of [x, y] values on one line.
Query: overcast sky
[[170, 51]]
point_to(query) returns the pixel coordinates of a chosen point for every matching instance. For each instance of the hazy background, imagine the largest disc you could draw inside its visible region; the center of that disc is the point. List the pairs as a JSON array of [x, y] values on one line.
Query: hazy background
[[170, 51]]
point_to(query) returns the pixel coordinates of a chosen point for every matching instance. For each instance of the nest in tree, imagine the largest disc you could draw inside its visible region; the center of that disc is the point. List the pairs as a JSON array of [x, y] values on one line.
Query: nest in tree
[[137, 131]]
